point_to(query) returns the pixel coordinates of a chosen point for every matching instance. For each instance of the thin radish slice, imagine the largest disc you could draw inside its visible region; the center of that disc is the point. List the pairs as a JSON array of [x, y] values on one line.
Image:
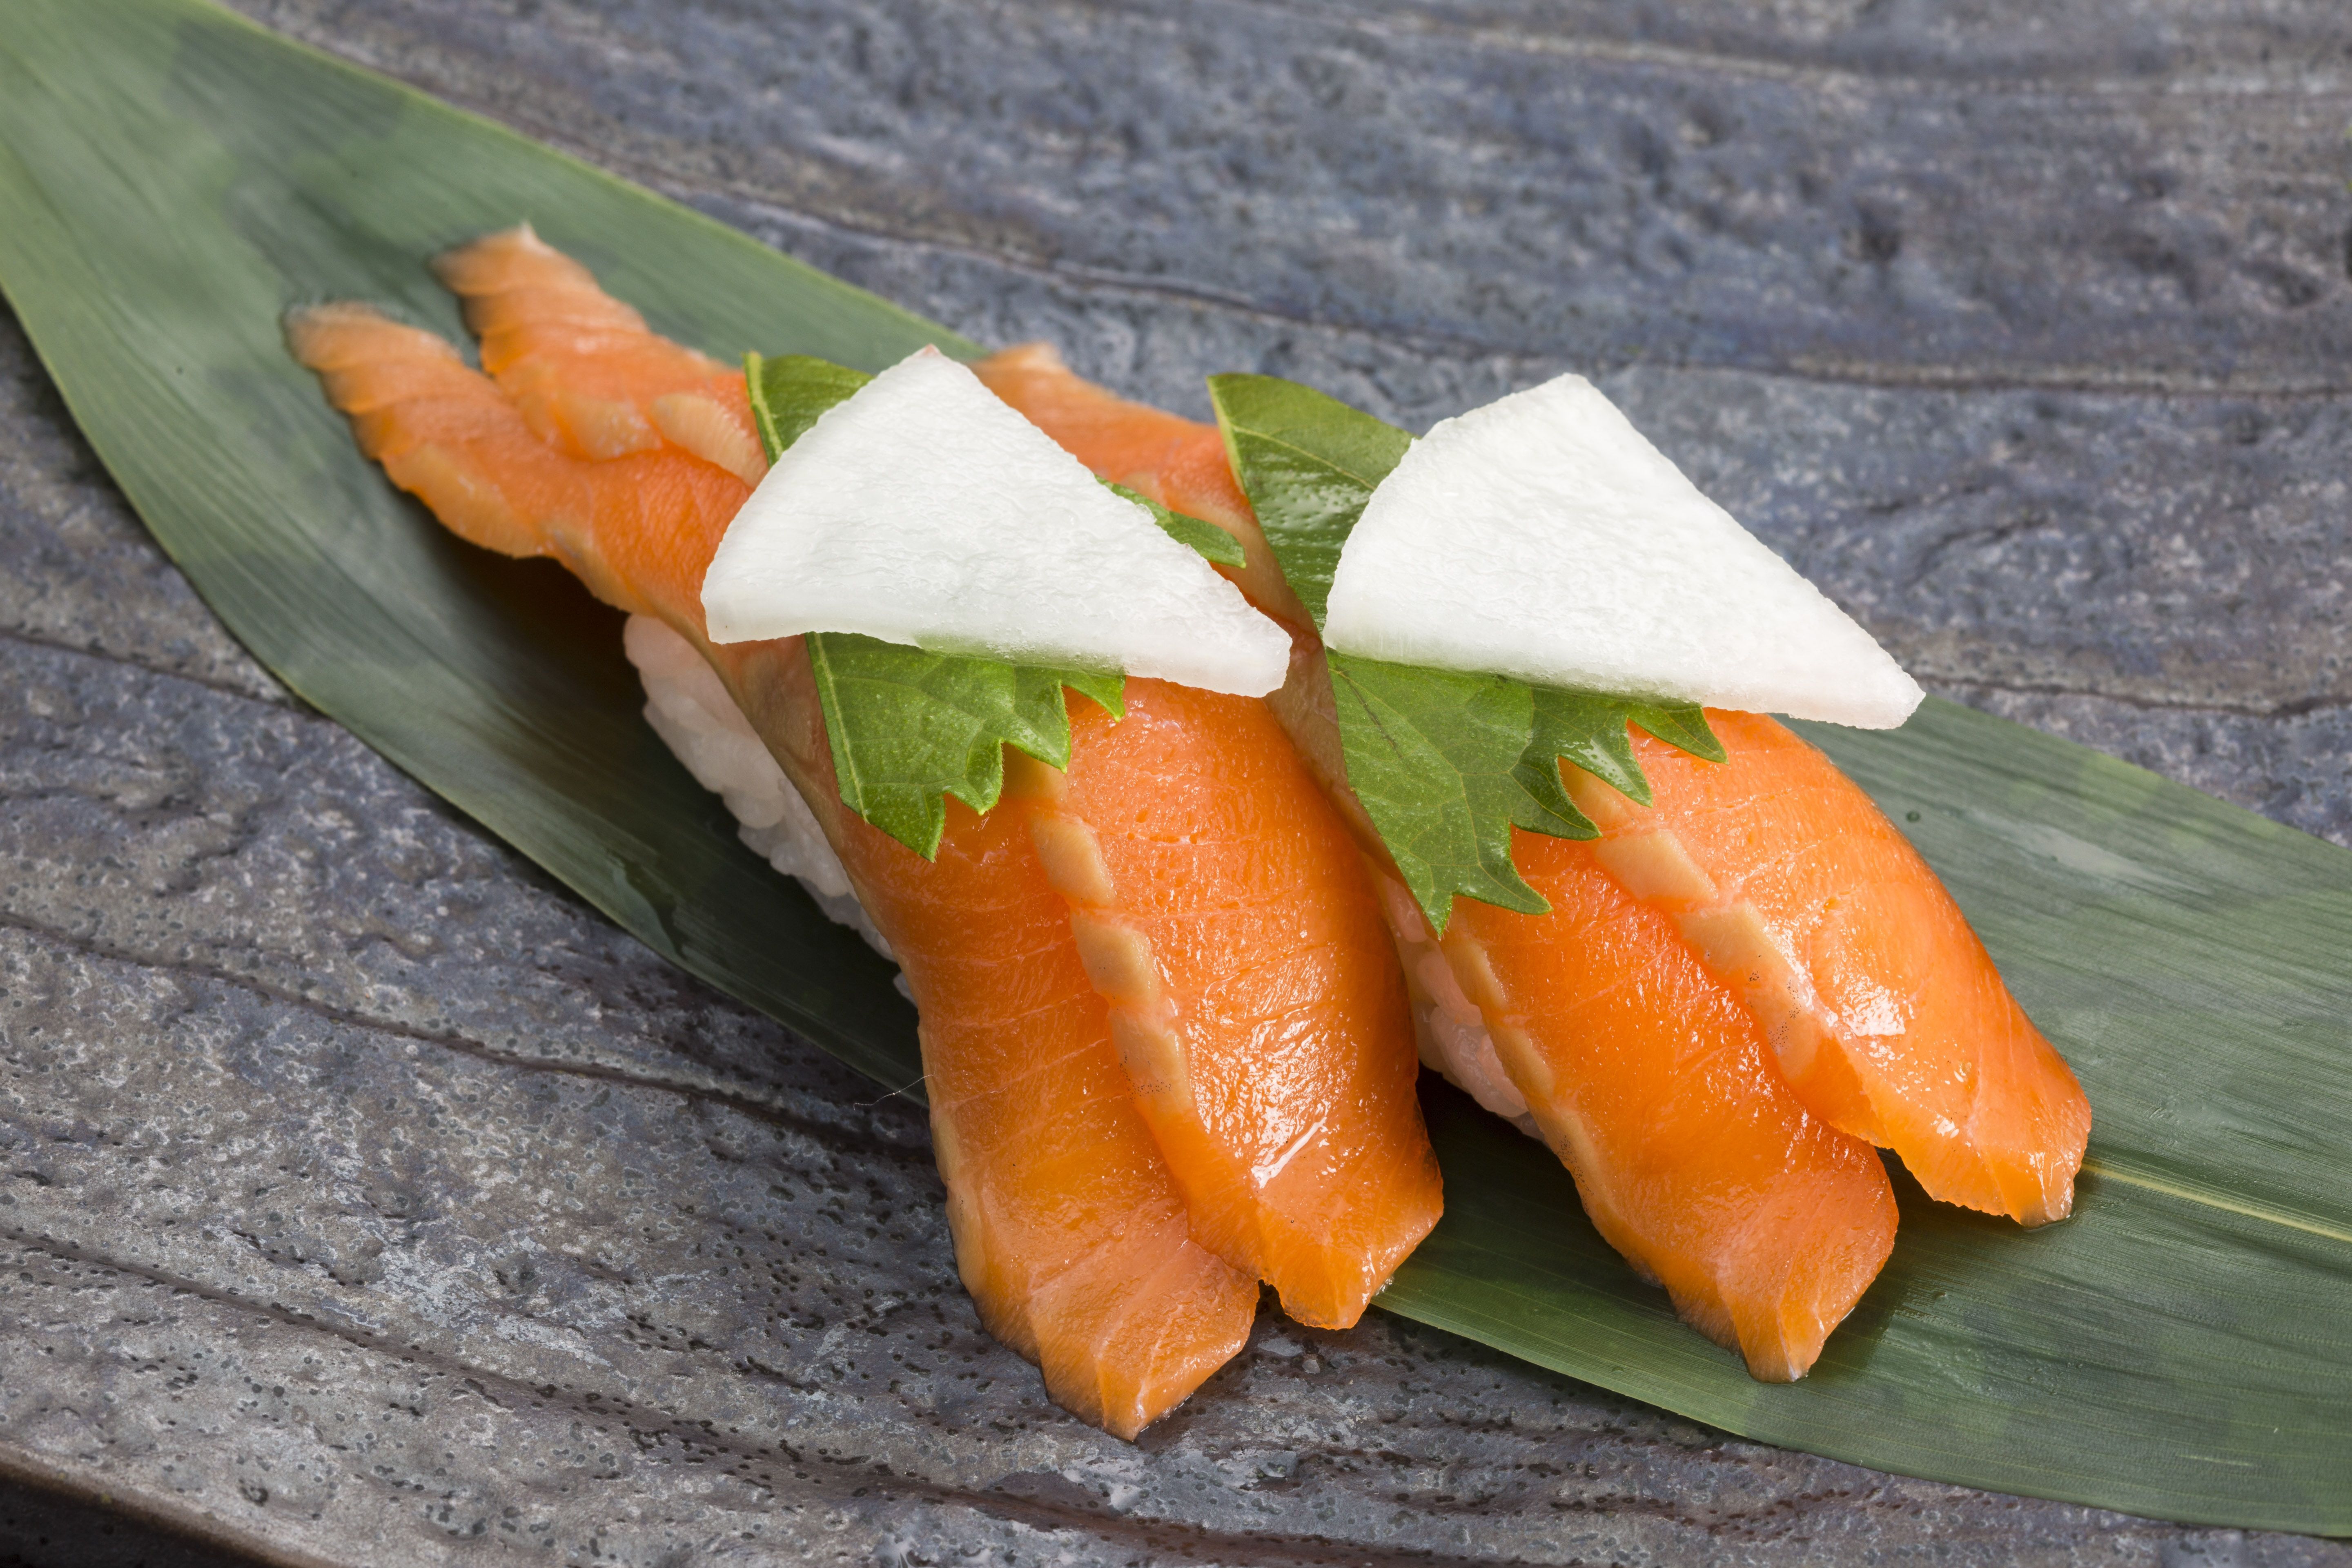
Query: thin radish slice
[[924, 510], [1542, 537]]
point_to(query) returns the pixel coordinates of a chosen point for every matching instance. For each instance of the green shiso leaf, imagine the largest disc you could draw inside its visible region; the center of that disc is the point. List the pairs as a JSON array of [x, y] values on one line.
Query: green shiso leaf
[[909, 727], [172, 178], [1309, 463], [1196, 533], [789, 392], [1589, 730], [1434, 756], [1445, 764]]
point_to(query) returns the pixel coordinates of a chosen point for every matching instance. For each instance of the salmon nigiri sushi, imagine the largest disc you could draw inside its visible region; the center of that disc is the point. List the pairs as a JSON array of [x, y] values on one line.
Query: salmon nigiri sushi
[[1166, 1047], [1739, 985]]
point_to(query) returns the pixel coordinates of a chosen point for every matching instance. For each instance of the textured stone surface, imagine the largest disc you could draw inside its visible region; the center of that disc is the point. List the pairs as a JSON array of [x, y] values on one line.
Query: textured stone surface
[[44, 1527], [366, 1199]]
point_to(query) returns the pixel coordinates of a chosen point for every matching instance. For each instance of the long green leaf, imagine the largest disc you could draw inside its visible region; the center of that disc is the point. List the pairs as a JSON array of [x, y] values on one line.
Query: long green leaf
[[171, 179]]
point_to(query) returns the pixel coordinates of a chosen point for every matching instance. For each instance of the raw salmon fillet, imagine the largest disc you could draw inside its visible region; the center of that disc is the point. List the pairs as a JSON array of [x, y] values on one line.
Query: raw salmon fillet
[[1657, 1089], [1226, 914], [1296, 1001], [1731, 950], [1117, 1245], [1074, 1240], [1069, 1232], [1886, 1014]]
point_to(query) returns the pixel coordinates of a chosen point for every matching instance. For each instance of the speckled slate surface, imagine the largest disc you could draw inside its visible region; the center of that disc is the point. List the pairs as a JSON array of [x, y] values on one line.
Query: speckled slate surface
[[366, 1199]]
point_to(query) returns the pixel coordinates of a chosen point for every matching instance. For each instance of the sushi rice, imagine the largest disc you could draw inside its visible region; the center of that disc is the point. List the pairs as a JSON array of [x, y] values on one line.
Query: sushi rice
[[1452, 1034], [691, 712]]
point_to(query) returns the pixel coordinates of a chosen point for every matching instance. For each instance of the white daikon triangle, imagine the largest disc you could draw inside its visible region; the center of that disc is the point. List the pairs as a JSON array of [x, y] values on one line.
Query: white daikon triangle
[[924, 510], [1541, 537]]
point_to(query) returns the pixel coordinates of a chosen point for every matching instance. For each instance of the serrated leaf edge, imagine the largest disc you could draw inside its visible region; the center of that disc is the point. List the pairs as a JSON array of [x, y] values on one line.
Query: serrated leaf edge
[[1604, 750], [981, 792]]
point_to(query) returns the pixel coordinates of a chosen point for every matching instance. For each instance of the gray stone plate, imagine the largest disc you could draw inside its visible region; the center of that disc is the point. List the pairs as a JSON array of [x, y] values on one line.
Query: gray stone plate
[[2022, 333]]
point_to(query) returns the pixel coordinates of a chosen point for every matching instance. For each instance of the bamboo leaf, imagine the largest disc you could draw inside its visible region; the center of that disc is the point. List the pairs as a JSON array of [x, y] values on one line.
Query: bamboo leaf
[[172, 179]]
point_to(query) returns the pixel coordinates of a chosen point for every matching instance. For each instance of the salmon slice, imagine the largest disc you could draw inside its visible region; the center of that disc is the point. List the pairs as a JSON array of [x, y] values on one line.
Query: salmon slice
[[1654, 1081], [1656, 1088], [582, 367], [638, 529], [1217, 901], [1886, 1014], [1227, 924], [1070, 1234], [1224, 913]]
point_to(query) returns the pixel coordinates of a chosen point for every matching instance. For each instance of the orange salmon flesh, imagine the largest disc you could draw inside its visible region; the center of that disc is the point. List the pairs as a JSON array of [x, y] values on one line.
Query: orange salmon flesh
[[1737, 991], [1166, 1047]]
